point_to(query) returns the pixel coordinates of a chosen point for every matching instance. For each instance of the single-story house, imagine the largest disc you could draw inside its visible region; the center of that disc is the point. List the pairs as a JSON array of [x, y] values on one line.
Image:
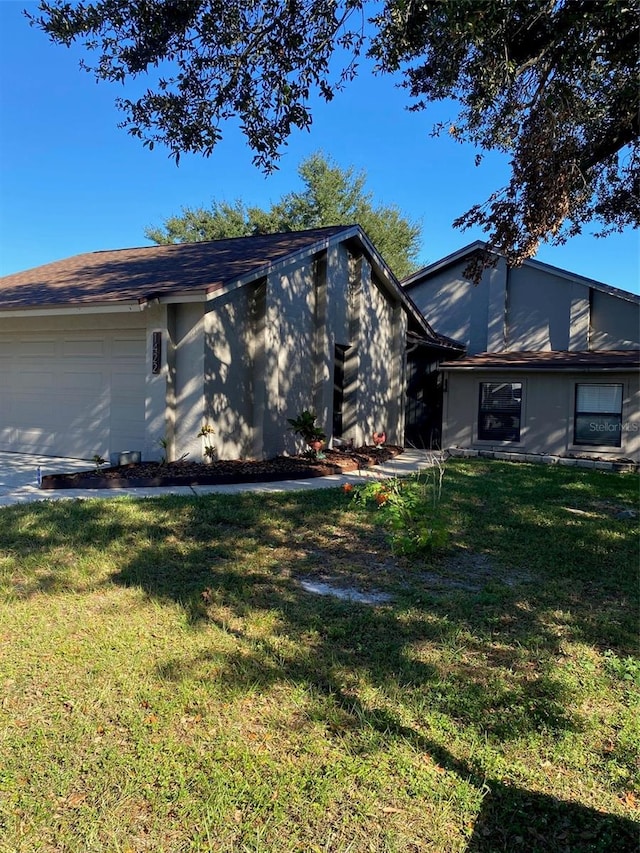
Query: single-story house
[[552, 358], [137, 349]]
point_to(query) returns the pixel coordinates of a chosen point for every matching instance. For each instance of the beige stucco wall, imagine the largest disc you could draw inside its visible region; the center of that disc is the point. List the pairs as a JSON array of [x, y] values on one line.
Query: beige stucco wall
[[381, 369], [156, 317], [185, 409], [289, 361], [310, 308], [538, 311], [228, 385], [547, 412]]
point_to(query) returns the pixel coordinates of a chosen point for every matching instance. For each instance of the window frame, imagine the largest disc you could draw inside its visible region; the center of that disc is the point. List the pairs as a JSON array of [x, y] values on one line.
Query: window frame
[[482, 434], [578, 416]]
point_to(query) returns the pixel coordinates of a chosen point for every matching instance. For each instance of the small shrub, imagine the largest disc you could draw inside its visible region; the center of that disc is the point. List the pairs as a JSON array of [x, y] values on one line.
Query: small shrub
[[164, 444], [409, 509], [626, 669], [98, 461], [305, 426], [206, 431]]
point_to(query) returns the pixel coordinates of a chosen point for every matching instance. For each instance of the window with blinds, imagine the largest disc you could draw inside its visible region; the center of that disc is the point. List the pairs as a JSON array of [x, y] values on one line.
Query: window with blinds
[[598, 415], [499, 411]]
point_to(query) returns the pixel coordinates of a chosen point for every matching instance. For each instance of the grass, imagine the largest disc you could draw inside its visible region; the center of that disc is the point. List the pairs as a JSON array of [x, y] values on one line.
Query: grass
[[167, 684]]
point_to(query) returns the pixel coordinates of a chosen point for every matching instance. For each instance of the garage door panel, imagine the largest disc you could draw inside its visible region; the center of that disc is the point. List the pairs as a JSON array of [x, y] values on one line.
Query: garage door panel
[[83, 382], [49, 442], [74, 395], [7, 436], [84, 349], [129, 348], [36, 349], [125, 415], [35, 380], [87, 445], [25, 411], [127, 384]]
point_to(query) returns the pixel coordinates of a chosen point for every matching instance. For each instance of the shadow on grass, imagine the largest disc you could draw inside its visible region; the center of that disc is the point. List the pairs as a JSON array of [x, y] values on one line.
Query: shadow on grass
[[231, 561], [329, 638], [513, 819]]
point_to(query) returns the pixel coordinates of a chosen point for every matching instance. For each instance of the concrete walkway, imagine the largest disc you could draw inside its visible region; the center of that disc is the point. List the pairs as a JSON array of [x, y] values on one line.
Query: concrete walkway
[[19, 479]]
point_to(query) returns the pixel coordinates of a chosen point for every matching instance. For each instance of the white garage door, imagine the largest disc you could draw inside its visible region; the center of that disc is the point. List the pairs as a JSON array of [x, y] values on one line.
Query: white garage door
[[76, 393]]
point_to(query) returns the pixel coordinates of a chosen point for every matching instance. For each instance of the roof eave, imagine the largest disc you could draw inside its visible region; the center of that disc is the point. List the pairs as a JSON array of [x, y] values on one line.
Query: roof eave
[[215, 291], [538, 368], [448, 260], [128, 307]]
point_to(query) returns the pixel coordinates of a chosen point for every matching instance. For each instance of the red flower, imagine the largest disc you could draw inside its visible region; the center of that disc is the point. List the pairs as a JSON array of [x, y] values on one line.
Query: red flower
[[379, 438], [347, 488]]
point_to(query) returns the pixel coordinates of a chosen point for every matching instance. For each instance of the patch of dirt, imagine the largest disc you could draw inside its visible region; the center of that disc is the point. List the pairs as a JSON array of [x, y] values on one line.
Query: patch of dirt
[[219, 472], [615, 510], [470, 572]]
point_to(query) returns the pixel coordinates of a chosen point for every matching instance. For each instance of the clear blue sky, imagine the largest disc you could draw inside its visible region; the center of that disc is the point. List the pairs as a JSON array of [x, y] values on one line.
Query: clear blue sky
[[71, 181]]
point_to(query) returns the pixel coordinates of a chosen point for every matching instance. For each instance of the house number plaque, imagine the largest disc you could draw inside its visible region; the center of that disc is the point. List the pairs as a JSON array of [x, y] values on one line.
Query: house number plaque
[[156, 352]]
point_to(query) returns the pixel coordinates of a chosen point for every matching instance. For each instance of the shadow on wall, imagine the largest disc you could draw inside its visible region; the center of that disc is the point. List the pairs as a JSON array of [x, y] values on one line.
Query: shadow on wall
[[270, 354]]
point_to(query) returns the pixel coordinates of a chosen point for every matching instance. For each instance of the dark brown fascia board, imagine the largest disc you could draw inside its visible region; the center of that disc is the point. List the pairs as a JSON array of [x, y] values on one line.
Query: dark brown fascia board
[[538, 368]]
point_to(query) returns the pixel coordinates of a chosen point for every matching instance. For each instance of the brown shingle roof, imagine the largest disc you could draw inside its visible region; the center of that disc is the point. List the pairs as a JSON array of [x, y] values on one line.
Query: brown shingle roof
[[549, 360], [130, 275]]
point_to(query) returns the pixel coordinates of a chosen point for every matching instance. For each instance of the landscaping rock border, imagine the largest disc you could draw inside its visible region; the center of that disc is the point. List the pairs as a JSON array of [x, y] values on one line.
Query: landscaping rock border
[[546, 459]]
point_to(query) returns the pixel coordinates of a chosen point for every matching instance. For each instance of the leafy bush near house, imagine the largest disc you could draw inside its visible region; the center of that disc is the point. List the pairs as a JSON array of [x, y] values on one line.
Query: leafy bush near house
[[305, 426]]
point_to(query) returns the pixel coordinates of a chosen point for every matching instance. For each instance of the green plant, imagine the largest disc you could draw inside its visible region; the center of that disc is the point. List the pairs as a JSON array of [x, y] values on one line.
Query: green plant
[[164, 444], [206, 431], [305, 426], [409, 509], [98, 461], [626, 669]]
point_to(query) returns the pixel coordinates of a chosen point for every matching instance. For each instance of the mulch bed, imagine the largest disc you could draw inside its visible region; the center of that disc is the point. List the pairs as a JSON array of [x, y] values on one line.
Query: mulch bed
[[216, 473]]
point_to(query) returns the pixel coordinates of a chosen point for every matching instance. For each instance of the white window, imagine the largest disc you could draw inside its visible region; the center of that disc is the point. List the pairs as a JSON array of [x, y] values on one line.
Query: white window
[[598, 415]]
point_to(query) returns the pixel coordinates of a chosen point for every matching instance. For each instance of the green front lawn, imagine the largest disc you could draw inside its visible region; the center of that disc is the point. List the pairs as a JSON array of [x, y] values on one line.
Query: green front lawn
[[169, 685]]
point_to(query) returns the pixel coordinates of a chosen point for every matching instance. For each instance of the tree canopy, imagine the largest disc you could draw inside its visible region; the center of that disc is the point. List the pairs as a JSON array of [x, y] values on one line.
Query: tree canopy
[[330, 196], [551, 83]]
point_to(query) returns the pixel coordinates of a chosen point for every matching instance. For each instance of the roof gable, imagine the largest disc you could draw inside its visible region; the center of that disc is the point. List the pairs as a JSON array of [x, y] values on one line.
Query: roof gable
[[466, 252]]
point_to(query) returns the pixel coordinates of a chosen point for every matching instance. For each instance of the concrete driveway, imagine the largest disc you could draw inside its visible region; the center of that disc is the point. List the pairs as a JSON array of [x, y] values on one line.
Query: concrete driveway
[[19, 479]]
